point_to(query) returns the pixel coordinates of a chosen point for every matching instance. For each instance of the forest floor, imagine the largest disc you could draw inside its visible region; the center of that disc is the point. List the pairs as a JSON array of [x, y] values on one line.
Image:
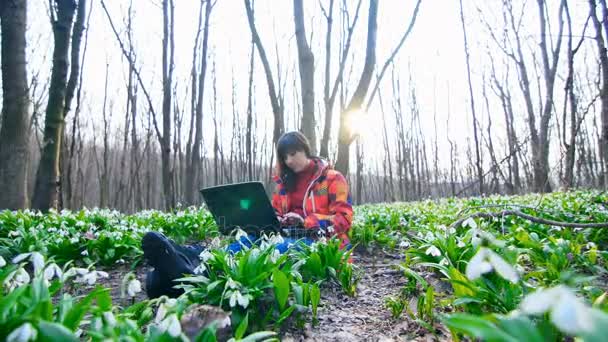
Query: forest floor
[[363, 317]]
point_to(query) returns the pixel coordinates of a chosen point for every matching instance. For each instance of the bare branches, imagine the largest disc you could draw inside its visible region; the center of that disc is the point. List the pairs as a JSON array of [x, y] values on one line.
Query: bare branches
[[531, 218]]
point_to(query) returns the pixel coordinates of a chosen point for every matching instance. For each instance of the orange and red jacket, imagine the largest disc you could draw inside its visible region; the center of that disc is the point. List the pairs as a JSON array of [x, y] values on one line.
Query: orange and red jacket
[[327, 201]]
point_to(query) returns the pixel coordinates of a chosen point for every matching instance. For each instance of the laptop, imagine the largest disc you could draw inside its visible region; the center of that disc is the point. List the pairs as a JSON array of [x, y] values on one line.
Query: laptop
[[241, 205]]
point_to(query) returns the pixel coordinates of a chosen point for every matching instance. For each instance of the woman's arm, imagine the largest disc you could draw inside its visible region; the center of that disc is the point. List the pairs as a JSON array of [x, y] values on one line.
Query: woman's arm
[[340, 207]]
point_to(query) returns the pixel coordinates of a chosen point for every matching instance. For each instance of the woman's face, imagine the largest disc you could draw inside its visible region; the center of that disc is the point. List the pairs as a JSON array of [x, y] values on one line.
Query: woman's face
[[296, 161]]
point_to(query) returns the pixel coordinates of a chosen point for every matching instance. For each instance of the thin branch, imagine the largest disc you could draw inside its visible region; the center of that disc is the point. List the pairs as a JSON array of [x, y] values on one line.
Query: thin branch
[[534, 219]]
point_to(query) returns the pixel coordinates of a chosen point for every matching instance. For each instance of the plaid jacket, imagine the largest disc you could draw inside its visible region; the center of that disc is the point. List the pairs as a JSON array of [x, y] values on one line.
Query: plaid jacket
[[327, 201]]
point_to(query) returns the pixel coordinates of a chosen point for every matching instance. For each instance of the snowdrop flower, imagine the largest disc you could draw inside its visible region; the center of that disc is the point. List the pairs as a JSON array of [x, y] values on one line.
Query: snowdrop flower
[[134, 287], [485, 261], [460, 244], [276, 239], [274, 256], [215, 243], [171, 325], [239, 234], [108, 316], [14, 233], [74, 240], [36, 258], [470, 222], [567, 312], [404, 244], [231, 284], [74, 271], [433, 251], [91, 277], [429, 237], [444, 262], [52, 271], [2, 262], [237, 298], [25, 332], [84, 253], [205, 255], [17, 278], [200, 269], [163, 308]]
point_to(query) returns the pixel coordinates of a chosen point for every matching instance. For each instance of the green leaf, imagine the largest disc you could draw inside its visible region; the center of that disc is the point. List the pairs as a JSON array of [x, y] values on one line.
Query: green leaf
[[7, 303], [285, 314], [476, 326], [281, 287], [49, 331], [315, 298], [242, 328], [76, 314], [104, 300], [521, 328], [259, 336]]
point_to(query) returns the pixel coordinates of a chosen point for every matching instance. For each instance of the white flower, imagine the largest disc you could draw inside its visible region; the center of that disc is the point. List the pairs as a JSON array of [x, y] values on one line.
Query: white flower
[[444, 262], [485, 261], [429, 237], [52, 271], [205, 255], [171, 325], [239, 234], [36, 258], [276, 239], [91, 277], [237, 297], [108, 316], [25, 332], [84, 253], [470, 222], [461, 244], [231, 284], [2, 262], [433, 251], [14, 233], [567, 312], [274, 256], [200, 269], [404, 244], [215, 243], [134, 287], [74, 240]]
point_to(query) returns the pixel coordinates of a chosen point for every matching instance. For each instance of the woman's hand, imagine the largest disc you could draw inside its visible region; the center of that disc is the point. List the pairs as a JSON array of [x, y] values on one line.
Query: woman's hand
[[291, 219]]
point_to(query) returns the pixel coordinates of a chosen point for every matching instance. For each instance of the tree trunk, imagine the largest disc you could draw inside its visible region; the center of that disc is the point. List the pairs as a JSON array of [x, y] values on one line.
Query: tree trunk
[[168, 64], [306, 61], [603, 56], [14, 133], [47, 177], [345, 136]]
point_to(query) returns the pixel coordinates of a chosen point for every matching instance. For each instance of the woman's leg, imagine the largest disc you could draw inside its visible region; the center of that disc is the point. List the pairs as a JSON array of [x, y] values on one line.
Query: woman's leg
[[170, 261]]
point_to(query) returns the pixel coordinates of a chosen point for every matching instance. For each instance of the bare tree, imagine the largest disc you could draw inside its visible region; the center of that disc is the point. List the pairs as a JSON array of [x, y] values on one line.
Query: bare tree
[[601, 34], [306, 61], [478, 161], [14, 133], [47, 178], [276, 99], [345, 136]]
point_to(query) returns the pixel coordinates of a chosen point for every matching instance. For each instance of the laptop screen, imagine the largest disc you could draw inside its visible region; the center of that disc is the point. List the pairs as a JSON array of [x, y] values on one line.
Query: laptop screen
[[243, 205]]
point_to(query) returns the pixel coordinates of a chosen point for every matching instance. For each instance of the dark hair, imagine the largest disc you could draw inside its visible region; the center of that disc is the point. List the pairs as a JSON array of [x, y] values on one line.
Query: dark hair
[[288, 143]]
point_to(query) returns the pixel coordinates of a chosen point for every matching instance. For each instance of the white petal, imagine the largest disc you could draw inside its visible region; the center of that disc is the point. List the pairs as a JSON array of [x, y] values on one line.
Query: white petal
[[2, 262], [470, 222], [25, 332], [233, 298], [433, 251], [174, 328], [503, 268], [109, 318], [19, 258], [539, 302], [571, 316], [478, 265], [134, 287], [205, 255], [243, 300], [37, 261]]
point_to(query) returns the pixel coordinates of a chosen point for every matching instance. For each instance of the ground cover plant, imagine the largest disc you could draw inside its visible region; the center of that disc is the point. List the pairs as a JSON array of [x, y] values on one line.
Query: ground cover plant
[[496, 268]]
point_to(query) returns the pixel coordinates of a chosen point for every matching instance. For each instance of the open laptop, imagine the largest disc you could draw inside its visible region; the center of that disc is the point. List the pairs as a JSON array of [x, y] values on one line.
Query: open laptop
[[241, 205]]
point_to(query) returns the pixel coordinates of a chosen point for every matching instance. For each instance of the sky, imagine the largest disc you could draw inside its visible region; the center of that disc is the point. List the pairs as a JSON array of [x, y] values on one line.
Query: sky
[[432, 60]]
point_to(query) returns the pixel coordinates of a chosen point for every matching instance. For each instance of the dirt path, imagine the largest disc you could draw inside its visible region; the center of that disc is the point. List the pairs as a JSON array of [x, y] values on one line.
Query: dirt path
[[364, 317]]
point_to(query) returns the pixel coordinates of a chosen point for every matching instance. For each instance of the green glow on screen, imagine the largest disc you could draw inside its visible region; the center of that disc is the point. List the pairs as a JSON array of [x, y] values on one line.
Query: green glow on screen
[[245, 203]]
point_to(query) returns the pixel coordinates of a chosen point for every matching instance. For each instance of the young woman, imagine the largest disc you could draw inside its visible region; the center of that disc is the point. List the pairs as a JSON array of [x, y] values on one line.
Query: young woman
[[309, 195]]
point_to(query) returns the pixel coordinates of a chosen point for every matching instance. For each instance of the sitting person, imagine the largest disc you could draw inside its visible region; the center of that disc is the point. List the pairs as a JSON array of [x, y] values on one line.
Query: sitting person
[[308, 193]]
